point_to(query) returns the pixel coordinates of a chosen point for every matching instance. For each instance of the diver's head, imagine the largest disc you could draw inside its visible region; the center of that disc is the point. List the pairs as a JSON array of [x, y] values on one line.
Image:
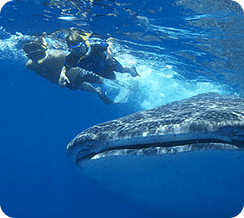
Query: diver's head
[[76, 43], [74, 37], [36, 49]]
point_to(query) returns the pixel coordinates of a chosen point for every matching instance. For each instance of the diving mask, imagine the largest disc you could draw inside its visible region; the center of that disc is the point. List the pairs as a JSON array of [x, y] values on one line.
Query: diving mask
[[78, 49]]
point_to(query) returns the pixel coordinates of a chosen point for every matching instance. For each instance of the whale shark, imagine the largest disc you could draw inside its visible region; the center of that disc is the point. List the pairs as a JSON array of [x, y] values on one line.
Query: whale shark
[[181, 159]]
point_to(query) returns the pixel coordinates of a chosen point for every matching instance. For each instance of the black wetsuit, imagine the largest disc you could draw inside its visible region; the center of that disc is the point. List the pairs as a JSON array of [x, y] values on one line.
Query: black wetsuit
[[96, 62], [84, 76]]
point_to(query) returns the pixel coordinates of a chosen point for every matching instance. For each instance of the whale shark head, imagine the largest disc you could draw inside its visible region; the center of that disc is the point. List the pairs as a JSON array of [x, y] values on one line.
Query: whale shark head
[[182, 159]]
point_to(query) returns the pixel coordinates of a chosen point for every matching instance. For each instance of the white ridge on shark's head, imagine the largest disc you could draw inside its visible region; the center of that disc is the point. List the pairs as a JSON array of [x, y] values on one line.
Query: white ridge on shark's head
[[182, 159]]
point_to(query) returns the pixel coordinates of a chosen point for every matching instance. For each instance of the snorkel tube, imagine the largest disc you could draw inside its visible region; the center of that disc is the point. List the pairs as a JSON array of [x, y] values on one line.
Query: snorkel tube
[[88, 46]]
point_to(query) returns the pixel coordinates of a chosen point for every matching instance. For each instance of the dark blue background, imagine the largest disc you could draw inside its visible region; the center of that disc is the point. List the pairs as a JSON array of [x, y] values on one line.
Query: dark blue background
[[38, 118]]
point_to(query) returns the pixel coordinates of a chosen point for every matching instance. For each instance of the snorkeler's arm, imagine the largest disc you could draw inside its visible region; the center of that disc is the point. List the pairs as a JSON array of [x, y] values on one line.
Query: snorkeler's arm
[[109, 49], [109, 53], [63, 79]]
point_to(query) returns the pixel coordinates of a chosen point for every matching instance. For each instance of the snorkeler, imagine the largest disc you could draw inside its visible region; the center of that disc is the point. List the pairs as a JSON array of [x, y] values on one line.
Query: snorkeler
[[96, 58], [49, 63]]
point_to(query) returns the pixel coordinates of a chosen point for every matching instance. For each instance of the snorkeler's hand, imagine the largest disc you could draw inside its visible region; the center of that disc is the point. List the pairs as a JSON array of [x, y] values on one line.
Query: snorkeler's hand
[[109, 52], [109, 56], [63, 80]]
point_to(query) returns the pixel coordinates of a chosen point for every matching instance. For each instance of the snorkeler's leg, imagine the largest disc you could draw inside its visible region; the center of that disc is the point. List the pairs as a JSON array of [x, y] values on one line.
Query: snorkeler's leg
[[116, 66], [105, 99], [89, 88], [100, 80], [91, 77], [131, 70]]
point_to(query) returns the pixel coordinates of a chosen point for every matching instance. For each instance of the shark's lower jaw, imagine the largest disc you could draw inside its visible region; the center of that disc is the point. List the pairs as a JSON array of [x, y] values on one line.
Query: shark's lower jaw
[[157, 150], [173, 182], [223, 138]]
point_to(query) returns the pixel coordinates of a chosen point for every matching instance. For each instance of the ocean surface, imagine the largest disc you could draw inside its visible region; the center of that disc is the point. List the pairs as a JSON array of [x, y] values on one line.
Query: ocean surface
[[180, 49]]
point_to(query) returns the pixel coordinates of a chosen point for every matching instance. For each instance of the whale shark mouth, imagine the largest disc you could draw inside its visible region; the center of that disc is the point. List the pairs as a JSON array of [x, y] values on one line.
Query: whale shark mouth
[[161, 148], [153, 151], [223, 139]]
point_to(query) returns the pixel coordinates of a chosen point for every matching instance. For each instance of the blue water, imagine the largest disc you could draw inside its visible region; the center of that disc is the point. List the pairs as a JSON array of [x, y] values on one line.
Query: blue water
[[180, 48]]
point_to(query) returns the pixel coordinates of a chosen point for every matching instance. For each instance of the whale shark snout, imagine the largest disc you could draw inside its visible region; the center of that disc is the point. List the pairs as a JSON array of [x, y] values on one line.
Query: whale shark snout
[[182, 159]]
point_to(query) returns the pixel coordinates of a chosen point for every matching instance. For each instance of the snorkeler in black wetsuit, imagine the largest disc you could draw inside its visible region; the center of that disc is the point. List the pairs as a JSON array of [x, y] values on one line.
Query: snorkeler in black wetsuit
[[48, 64], [96, 58]]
